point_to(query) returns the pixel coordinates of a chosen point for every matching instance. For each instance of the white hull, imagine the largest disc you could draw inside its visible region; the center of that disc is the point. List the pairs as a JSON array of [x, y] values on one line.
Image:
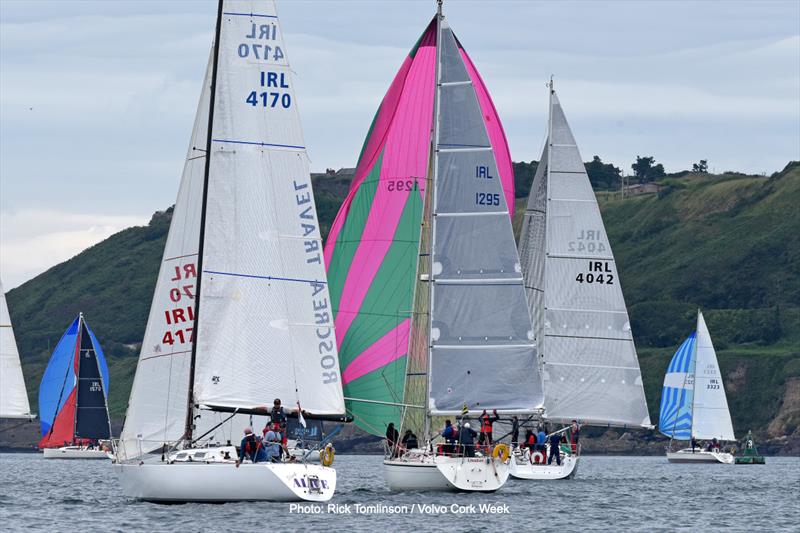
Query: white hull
[[699, 456], [75, 452], [223, 482], [521, 468], [442, 473]]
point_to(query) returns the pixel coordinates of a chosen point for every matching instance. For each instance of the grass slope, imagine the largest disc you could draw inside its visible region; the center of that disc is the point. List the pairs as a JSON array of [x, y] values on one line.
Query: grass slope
[[728, 244]]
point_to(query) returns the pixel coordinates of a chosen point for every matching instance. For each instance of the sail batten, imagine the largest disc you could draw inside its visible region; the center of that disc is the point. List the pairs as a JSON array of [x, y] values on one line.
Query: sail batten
[[590, 367]]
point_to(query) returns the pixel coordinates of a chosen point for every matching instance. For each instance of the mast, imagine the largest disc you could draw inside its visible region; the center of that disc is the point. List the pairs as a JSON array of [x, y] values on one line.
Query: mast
[[693, 367], [77, 375], [192, 360], [541, 341], [431, 211]]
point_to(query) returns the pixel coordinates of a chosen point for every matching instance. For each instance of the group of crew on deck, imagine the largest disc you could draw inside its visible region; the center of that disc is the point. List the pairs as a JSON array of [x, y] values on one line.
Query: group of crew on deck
[[271, 445], [711, 446], [460, 439]]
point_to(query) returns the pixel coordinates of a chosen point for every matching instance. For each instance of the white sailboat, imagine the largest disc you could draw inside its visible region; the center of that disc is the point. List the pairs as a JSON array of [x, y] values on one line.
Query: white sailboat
[[589, 364], [13, 395], [425, 277], [479, 349], [240, 313], [693, 401]]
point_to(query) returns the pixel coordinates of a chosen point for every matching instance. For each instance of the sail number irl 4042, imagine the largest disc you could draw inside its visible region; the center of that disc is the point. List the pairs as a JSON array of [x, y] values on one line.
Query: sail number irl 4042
[[599, 272]]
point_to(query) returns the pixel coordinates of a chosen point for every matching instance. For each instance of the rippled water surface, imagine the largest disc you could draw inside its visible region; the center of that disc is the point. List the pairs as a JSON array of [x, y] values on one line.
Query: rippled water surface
[[609, 493]]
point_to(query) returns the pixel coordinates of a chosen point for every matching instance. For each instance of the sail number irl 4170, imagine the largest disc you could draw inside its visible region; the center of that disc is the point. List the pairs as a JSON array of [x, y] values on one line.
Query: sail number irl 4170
[[599, 272], [179, 316]]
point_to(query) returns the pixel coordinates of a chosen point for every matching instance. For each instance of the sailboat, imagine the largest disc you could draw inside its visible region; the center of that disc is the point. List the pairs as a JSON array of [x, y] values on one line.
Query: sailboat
[[425, 278], [13, 395], [73, 397], [693, 401], [241, 312], [589, 365]]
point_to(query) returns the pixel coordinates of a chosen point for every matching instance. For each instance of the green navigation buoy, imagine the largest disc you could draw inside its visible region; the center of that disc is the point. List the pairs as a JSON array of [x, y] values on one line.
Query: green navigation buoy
[[750, 453]]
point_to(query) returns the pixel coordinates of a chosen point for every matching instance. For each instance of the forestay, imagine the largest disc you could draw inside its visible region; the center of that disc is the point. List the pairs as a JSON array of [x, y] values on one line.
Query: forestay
[[677, 396], [13, 396], [482, 352], [712, 418], [590, 368]]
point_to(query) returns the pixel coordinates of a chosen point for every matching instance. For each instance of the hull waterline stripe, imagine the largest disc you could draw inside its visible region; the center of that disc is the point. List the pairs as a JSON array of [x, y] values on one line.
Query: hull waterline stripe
[[271, 278]]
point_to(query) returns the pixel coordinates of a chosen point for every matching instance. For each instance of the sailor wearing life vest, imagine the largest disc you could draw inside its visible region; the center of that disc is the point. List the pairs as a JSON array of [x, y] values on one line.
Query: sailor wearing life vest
[[251, 448], [485, 437]]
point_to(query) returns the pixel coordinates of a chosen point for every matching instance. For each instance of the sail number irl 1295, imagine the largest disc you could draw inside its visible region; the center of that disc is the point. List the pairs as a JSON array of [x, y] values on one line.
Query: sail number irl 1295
[[599, 272]]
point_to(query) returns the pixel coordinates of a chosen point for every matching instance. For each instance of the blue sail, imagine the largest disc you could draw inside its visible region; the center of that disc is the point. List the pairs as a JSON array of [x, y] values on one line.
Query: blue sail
[[676, 398]]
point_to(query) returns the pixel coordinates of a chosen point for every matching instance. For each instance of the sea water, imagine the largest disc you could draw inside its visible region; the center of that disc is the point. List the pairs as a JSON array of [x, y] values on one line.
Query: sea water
[[608, 493]]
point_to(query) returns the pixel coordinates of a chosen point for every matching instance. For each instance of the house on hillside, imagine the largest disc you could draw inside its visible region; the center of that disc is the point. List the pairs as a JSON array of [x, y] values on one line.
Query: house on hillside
[[345, 172], [643, 188]]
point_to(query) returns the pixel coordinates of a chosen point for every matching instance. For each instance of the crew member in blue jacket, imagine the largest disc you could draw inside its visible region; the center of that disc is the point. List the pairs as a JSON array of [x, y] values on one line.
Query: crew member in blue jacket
[[251, 447]]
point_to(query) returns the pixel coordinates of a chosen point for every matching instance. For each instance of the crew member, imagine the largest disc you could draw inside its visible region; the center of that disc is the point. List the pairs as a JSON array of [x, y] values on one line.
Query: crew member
[[576, 434], [555, 444], [466, 439], [272, 445], [278, 416], [485, 438], [450, 436], [410, 440], [392, 436], [541, 440], [251, 447], [514, 431]]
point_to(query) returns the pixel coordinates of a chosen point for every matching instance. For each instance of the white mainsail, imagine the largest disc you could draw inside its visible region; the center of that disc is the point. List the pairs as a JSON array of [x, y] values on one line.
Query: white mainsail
[[263, 324], [711, 417], [13, 396], [590, 368], [482, 353]]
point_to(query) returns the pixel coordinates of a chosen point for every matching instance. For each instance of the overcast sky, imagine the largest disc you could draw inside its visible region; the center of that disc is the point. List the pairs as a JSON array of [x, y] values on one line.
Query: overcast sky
[[97, 99]]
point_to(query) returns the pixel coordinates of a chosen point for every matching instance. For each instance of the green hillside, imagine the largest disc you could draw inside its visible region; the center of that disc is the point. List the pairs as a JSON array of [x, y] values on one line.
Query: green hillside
[[729, 244]]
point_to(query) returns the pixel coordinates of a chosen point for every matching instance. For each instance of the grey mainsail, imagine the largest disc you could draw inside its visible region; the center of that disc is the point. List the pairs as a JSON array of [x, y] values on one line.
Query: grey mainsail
[[580, 322], [482, 353]]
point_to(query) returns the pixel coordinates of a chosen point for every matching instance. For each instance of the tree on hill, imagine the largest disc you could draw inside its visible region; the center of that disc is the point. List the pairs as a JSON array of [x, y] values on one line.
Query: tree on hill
[[523, 177], [603, 175], [701, 167], [645, 169]]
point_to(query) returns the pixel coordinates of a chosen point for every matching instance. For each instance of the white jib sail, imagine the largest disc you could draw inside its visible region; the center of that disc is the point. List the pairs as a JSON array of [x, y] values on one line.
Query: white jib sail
[[590, 368], [13, 397], [265, 325], [711, 416], [157, 405]]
